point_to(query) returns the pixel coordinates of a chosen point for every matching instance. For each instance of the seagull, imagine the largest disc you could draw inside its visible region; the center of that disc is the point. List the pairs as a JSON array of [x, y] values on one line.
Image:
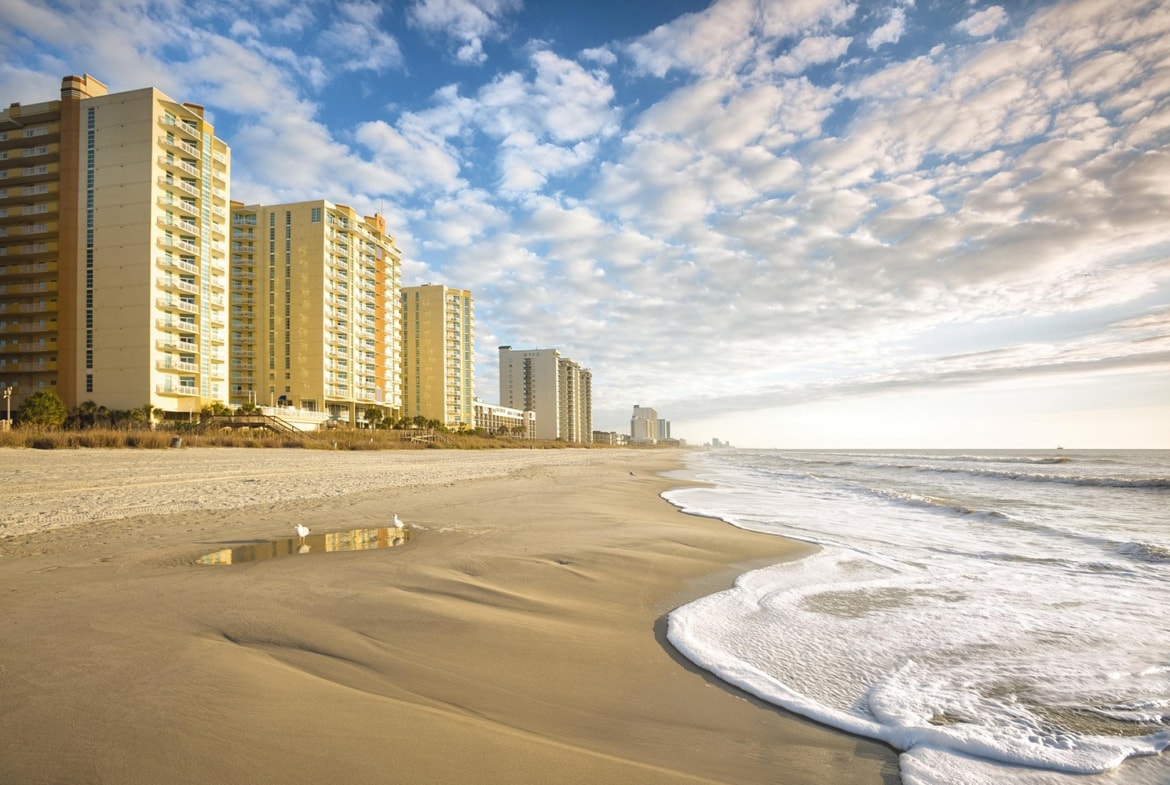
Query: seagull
[[303, 530], [398, 524]]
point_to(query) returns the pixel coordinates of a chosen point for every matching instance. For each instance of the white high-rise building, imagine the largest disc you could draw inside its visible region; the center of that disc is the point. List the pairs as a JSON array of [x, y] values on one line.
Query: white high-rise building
[[558, 389], [644, 425]]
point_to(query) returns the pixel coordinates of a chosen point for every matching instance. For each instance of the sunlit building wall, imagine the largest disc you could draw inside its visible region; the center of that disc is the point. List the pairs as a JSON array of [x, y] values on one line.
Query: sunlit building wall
[[140, 184], [438, 332], [319, 315]]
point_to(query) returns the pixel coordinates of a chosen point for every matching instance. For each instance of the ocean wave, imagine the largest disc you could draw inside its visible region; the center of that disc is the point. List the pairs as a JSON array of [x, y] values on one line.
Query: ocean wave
[[1156, 483], [1144, 551], [933, 503]]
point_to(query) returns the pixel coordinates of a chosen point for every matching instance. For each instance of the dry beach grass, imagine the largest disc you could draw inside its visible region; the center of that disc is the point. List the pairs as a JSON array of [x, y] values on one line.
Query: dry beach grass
[[516, 638]]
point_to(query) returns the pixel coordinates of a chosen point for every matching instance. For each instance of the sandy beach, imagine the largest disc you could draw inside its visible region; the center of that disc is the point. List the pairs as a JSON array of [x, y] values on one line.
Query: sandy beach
[[516, 637]]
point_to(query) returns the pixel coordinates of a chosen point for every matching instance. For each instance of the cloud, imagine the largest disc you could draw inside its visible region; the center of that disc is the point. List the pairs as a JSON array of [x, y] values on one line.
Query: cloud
[[601, 55], [983, 23], [468, 23], [890, 31], [356, 35]]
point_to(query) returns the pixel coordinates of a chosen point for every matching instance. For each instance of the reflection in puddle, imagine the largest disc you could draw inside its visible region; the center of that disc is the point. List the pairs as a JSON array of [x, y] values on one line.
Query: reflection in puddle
[[354, 540]]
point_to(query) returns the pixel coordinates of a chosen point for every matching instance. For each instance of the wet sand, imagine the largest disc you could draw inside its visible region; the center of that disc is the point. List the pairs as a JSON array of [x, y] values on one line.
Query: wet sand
[[517, 637]]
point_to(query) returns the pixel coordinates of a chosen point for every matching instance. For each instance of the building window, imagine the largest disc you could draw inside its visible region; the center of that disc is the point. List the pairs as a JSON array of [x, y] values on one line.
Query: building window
[[316, 215]]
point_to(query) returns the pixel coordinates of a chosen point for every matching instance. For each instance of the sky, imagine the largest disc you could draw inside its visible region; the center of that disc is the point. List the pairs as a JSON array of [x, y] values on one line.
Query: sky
[[780, 223]]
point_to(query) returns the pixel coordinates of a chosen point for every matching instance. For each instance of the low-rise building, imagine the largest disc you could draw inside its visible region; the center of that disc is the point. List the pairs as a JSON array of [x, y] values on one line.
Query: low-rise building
[[505, 421]]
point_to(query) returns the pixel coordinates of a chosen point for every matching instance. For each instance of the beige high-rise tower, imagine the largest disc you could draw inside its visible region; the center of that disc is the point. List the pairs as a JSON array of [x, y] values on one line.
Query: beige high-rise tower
[[315, 316], [120, 255], [438, 333]]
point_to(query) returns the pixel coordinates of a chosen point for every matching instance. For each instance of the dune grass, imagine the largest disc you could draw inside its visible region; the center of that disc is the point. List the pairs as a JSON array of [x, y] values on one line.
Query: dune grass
[[334, 439]]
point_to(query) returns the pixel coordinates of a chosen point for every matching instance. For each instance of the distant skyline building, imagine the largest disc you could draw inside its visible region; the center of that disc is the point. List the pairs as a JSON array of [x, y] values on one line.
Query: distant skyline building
[[644, 425], [557, 389], [316, 314], [113, 250], [438, 354]]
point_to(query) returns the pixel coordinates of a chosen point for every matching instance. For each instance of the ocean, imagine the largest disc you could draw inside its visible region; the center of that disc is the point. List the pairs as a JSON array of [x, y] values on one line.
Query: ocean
[[997, 617]]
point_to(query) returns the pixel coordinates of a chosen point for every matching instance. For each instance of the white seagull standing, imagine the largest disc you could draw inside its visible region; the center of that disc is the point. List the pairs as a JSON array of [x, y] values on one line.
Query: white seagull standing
[[303, 530], [398, 524]]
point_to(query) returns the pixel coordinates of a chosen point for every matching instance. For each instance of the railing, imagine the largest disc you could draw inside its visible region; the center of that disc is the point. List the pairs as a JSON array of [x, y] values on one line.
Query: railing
[[181, 205], [185, 327], [170, 261], [181, 144], [163, 389], [171, 283], [179, 346], [182, 245], [186, 167], [176, 365], [179, 304], [180, 184]]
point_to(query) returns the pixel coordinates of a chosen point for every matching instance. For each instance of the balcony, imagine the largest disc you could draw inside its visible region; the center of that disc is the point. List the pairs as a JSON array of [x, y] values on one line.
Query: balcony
[[171, 262], [182, 245], [181, 389], [177, 365], [170, 182], [183, 327], [182, 165], [182, 305], [182, 225], [181, 285], [169, 344], [181, 144], [185, 207]]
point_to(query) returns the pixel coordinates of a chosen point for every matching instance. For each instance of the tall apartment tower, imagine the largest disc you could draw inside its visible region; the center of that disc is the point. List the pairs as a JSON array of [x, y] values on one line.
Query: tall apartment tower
[[644, 425], [559, 390], [114, 249], [438, 331], [316, 313]]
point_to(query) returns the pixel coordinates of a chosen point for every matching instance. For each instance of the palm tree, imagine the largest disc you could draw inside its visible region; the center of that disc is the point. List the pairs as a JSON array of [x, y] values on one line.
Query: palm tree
[[151, 412], [87, 414]]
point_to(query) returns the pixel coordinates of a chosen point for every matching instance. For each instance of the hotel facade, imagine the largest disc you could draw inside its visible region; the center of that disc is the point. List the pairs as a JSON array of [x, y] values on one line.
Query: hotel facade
[[438, 354], [315, 311], [113, 250], [557, 389]]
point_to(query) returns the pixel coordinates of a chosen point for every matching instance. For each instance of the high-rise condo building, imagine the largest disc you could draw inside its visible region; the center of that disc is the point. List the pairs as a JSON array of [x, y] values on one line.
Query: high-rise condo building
[[559, 390], [644, 425], [316, 314], [438, 331], [113, 249]]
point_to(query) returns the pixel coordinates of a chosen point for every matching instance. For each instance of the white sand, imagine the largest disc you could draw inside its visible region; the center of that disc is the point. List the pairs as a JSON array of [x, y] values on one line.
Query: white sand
[[51, 489]]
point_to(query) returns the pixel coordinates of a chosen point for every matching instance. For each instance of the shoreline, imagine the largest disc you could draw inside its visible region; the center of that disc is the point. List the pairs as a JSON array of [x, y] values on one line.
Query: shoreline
[[518, 637]]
